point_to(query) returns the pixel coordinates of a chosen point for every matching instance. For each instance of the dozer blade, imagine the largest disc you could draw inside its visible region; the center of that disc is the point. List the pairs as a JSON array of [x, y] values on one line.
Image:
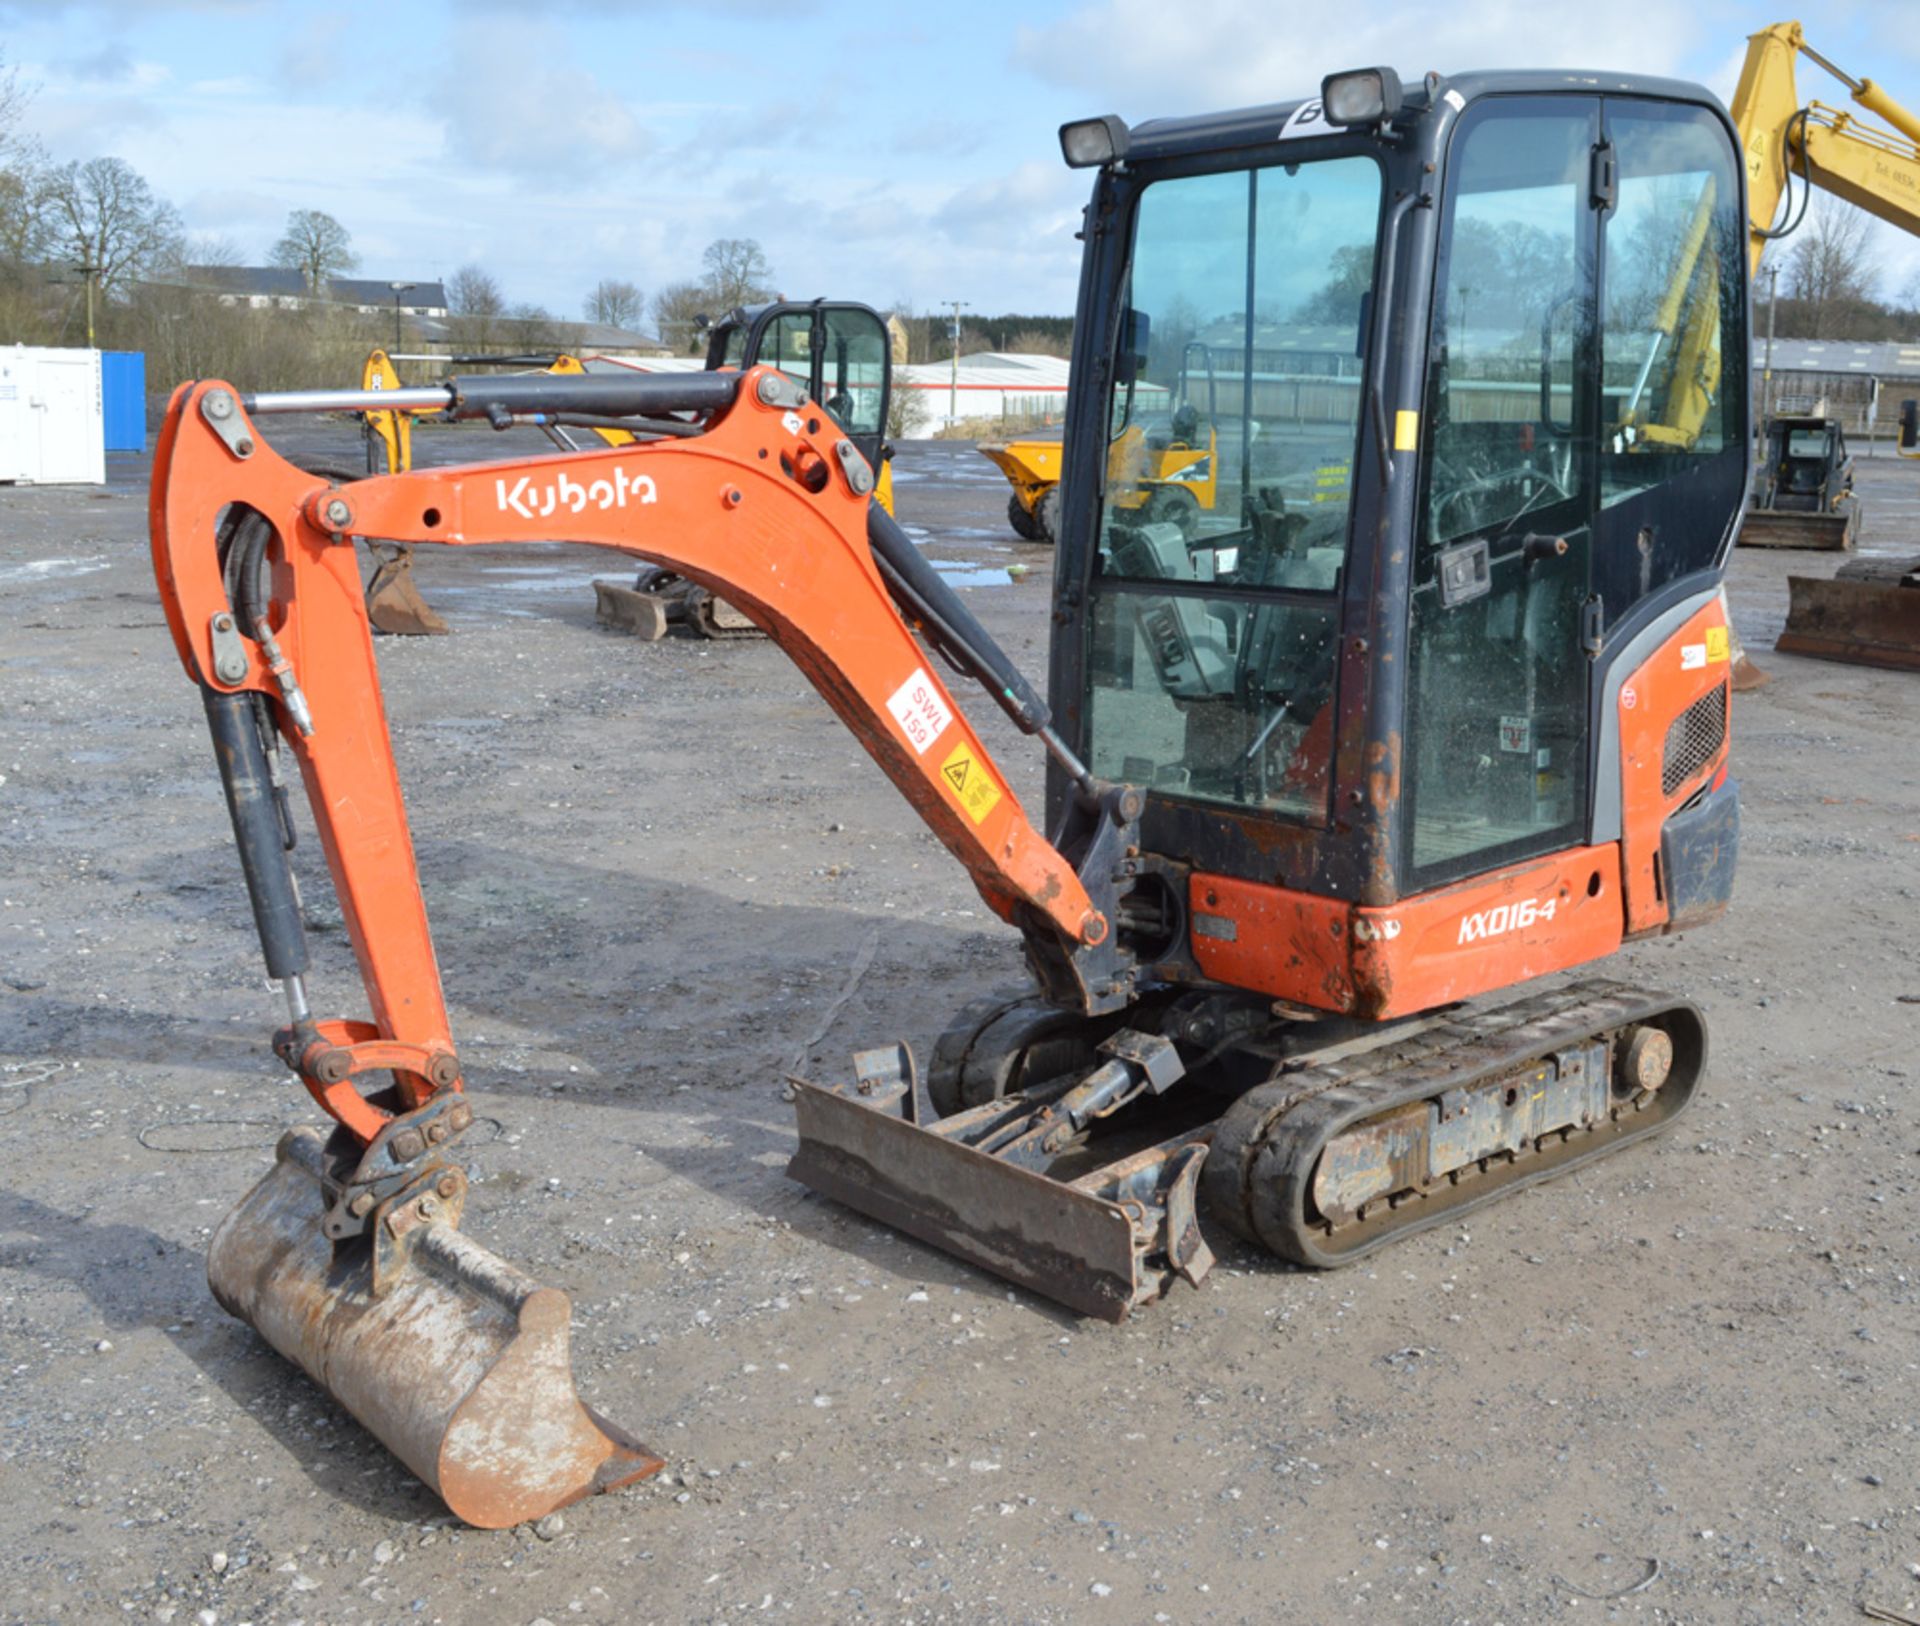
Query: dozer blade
[[646, 615], [455, 1361], [1867, 614], [394, 604], [1102, 1245], [1781, 528]]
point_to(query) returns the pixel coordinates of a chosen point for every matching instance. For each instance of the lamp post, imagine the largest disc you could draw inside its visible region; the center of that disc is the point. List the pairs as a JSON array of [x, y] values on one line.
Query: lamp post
[[953, 388], [399, 288], [89, 271]]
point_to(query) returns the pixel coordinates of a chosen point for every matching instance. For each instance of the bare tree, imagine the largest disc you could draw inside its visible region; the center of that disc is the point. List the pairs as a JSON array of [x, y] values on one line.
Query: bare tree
[[14, 97], [617, 303], [677, 310], [24, 220], [737, 272], [105, 217], [210, 249], [1037, 341], [474, 292], [317, 246], [1831, 264]]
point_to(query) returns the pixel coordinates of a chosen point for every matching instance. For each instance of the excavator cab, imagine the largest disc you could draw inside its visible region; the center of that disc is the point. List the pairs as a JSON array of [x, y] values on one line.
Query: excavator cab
[[1433, 701], [1479, 366]]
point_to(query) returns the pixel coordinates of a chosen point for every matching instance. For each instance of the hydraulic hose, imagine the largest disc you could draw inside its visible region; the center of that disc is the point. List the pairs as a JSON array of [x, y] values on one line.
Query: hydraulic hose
[[922, 594]]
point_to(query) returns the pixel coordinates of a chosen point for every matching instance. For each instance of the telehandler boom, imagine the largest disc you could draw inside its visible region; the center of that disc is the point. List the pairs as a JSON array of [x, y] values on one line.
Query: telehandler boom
[[1323, 766]]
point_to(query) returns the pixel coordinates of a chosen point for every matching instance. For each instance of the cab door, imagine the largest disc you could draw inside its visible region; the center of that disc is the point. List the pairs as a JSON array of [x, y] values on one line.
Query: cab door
[[1503, 567], [1673, 354]]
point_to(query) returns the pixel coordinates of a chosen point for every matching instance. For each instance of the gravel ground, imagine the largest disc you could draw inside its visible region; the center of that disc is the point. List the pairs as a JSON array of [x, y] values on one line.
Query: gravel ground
[[653, 870]]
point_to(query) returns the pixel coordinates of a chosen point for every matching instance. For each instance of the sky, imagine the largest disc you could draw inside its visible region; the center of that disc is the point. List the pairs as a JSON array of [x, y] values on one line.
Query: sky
[[903, 157]]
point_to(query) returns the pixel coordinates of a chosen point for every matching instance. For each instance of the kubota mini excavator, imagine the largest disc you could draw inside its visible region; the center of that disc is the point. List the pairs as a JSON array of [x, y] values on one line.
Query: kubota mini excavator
[[1316, 781]]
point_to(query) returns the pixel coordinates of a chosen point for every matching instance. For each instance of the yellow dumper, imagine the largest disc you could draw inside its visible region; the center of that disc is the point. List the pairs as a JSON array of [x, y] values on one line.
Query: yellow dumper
[[1169, 469]]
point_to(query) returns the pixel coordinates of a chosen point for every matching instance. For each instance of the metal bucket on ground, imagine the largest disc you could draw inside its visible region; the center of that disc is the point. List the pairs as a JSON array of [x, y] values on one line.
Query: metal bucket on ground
[[394, 604], [458, 1363], [1866, 614]]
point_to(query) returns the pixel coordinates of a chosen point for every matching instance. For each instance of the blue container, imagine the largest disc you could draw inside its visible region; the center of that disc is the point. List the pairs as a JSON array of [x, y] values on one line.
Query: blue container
[[123, 399]]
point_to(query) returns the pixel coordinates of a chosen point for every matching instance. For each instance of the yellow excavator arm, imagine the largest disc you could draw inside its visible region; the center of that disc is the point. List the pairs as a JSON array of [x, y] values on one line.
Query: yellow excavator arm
[[1875, 167]]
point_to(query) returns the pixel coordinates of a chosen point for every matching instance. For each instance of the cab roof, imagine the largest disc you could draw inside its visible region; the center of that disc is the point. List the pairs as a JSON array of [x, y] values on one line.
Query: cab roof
[[1261, 126]]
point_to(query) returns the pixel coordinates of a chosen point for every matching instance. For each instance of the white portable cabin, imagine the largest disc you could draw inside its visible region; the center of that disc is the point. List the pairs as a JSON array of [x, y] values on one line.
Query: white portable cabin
[[52, 431]]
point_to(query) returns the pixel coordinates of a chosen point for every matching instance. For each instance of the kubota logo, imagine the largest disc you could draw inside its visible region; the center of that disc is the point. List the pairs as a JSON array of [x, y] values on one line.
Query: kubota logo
[[530, 501]]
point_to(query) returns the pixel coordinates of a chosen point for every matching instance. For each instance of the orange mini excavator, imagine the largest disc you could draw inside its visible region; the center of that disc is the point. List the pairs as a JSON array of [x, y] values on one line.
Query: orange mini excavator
[[1326, 767]]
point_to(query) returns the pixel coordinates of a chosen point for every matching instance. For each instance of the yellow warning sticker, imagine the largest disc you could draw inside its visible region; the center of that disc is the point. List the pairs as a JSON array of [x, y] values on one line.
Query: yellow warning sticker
[[972, 785], [1406, 431], [1716, 643]]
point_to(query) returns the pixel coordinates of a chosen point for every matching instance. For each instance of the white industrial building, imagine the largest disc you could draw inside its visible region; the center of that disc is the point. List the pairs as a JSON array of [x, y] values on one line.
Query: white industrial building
[[1016, 391]]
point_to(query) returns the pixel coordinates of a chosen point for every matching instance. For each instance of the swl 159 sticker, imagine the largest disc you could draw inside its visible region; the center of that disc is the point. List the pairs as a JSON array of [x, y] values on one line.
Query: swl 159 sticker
[[919, 710]]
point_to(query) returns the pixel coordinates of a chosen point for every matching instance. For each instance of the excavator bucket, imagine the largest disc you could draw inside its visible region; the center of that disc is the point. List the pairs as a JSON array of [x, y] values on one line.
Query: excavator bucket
[[394, 604], [1866, 614], [1832, 532], [456, 1361]]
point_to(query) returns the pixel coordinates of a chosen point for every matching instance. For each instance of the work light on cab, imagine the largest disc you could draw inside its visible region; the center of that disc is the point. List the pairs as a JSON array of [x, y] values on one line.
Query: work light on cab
[[1360, 96], [1089, 143]]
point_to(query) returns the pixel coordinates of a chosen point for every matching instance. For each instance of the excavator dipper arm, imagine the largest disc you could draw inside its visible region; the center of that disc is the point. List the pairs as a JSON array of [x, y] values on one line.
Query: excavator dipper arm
[[347, 1255], [767, 506]]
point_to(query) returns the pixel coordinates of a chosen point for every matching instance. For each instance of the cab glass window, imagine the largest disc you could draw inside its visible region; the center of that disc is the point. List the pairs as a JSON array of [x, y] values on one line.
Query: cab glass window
[[1226, 501], [1674, 317], [1513, 300], [1497, 697], [853, 361]]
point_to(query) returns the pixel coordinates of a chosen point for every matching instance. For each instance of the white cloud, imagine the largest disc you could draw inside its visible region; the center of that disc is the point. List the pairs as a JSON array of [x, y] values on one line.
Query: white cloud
[[320, 51], [514, 99], [1237, 53]]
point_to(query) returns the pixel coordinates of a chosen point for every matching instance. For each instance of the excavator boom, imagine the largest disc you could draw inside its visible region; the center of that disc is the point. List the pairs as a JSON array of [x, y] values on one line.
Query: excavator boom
[[347, 1256]]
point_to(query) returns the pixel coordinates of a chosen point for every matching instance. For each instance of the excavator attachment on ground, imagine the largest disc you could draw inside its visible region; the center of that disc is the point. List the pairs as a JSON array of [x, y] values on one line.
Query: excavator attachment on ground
[[1866, 614], [454, 1360]]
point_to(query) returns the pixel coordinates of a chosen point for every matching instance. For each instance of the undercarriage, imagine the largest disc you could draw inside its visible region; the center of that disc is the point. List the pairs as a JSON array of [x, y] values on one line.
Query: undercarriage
[[1078, 1152]]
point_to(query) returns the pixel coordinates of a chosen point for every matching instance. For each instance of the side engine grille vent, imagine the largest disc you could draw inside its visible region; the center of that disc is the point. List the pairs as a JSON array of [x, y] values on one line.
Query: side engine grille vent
[[1694, 740]]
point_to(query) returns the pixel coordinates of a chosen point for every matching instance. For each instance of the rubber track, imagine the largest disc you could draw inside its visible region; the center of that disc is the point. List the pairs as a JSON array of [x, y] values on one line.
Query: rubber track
[[1259, 1176]]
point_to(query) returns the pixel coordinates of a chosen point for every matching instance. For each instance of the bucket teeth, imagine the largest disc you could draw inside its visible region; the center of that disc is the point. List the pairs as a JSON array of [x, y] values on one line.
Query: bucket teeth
[[461, 1367]]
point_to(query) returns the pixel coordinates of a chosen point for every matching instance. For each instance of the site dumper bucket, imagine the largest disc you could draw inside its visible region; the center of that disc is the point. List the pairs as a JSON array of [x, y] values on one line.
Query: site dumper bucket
[[453, 1359]]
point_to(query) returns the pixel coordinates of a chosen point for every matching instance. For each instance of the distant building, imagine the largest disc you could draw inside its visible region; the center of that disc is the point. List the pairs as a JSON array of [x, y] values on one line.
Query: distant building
[[1017, 389], [272, 287], [1862, 384]]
